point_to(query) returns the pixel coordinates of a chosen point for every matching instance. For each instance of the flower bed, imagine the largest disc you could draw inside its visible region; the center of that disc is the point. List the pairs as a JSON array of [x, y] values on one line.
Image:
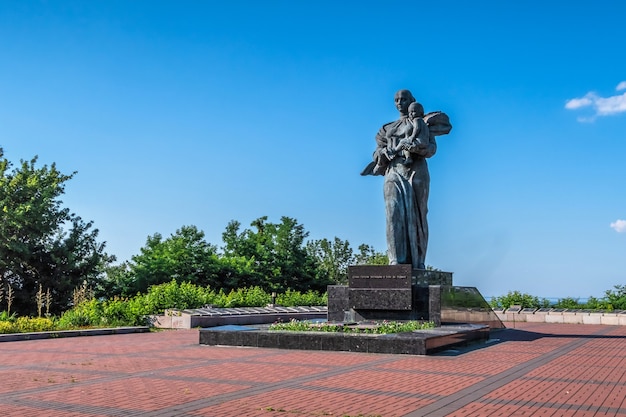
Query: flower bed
[[378, 327]]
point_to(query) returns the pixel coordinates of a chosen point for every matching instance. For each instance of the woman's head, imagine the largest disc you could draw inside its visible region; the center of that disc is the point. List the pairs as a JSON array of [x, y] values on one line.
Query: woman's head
[[403, 99]]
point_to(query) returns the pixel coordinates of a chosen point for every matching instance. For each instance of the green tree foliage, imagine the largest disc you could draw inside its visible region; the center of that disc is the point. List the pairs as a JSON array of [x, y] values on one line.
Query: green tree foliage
[[518, 298], [118, 281], [272, 256], [569, 303], [185, 256], [333, 258], [279, 256], [616, 298], [41, 242], [368, 256]]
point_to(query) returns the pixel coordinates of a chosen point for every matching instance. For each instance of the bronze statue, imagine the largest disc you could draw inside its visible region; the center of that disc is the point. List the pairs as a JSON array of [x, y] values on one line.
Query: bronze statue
[[402, 147]]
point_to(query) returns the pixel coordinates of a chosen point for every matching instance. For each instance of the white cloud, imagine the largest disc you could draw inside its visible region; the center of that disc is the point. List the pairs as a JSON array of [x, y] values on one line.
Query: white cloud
[[603, 106], [611, 105], [619, 226], [577, 103]]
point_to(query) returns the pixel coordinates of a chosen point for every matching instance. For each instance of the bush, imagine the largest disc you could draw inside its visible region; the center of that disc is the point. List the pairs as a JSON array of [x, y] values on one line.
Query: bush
[[518, 298], [616, 298], [296, 298], [174, 295], [120, 312], [246, 297], [569, 303], [6, 327], [74, 318], [35, 324], [87, 313], [4, 316], [27, 325]]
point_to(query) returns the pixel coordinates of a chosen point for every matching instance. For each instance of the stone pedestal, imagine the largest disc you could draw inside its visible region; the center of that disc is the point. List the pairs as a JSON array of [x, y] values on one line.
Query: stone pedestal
[[387, 292], [397, 292]]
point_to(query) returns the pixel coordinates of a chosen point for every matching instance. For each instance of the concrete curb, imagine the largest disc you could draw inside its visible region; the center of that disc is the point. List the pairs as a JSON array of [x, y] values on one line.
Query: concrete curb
[[14, 337]]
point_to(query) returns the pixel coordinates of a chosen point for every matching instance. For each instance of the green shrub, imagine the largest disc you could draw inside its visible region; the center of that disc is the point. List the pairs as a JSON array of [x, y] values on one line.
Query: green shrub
[[246, 297], [5, 316], [6, 327], [296, 298], [174, 295], [616, 298], [27, 325], [34, 324], [134, 311], [73, 319], [517, 298], [118, 312], [594, 303], [569, 303]]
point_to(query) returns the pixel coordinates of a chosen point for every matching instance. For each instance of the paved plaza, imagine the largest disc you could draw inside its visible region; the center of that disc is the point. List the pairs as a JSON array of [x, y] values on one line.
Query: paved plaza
[[535, 369]]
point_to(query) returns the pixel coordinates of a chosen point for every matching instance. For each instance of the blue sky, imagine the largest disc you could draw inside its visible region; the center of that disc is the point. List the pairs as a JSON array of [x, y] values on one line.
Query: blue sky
[[199, 112]]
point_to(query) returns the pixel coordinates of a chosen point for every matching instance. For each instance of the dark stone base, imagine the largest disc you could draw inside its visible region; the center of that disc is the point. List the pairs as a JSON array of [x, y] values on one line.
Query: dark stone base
[[424, 304], [421, 342], [386, 293]]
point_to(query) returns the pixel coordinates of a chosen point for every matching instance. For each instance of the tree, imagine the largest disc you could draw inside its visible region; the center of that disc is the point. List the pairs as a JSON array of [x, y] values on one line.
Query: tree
[[279, 256], [616, 297], [41, 242], [518, 298], [333, 258], [368, 256], [185, 256]]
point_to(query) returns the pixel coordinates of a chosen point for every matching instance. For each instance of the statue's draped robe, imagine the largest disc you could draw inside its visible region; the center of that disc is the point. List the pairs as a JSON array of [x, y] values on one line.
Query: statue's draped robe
[[406, 194]]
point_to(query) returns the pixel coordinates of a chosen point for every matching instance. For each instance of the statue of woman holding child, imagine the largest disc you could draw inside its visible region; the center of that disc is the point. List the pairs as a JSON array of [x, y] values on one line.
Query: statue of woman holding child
[[402, 147]]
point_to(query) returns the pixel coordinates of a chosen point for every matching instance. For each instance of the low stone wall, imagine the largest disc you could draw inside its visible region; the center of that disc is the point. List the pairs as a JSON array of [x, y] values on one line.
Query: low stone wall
[[546, 315]]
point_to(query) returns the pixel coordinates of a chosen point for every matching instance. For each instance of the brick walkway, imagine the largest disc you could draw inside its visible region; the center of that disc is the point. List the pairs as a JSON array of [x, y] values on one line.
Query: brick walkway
[[536, 369]]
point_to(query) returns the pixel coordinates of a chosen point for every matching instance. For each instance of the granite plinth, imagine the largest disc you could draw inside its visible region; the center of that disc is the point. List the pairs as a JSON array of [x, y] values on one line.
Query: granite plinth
[[379, 276], [439, 304], [380, 299], [379, 287], [338, 302], [419, 342], [347, 304]]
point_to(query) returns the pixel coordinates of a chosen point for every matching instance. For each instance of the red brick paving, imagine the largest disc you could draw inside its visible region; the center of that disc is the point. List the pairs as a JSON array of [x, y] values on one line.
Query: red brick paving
[[536, 369]]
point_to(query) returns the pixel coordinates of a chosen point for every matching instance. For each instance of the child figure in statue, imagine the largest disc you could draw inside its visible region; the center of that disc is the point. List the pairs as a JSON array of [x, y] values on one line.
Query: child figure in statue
[[412, 138]]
